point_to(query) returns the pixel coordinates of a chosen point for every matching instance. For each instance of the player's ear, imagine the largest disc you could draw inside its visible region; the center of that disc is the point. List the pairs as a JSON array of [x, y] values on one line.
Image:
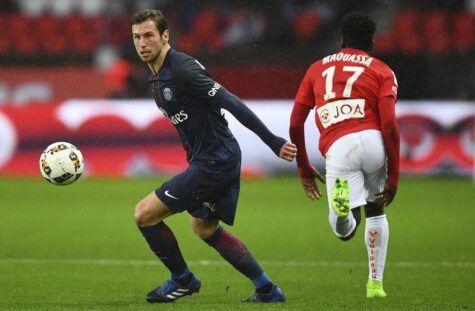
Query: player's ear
[[165, 36]]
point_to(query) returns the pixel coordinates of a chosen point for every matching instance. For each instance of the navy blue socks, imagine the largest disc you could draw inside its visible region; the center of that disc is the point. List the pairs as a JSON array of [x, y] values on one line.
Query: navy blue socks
[[164, 244], [236, 253]]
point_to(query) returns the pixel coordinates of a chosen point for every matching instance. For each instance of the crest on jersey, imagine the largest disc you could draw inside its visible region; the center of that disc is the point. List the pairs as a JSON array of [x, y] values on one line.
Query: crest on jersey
[[325, 116], [167, 93]]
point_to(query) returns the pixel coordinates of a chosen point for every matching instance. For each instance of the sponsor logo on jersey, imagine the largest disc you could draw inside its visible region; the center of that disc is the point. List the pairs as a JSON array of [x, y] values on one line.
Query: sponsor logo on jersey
[[179, 117], [354, 58], [167, 93], [214, 89], [341, 110]]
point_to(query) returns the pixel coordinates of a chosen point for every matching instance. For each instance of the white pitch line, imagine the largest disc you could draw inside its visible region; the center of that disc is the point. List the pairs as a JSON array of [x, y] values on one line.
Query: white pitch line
[[277, 263]]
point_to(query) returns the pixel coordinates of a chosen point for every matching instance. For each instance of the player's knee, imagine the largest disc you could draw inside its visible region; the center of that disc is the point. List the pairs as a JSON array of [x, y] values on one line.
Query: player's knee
[[142, 214], [203, 228], [373, 209]]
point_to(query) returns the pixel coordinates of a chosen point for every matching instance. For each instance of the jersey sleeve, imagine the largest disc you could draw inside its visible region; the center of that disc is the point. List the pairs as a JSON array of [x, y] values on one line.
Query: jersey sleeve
[[305, 94], [198, 82], [246, 117], [390, 132], [297, 135], [389, 85]]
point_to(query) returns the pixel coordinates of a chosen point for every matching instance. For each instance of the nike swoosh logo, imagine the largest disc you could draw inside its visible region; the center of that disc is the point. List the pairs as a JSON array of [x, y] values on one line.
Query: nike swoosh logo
[[167, 193]]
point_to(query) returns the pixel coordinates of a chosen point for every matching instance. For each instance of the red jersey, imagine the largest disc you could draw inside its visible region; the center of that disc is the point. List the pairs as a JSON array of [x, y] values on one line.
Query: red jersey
[[345, 89]]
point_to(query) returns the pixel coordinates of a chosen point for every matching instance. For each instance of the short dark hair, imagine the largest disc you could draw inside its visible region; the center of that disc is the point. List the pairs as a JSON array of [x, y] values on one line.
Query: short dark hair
[[358, 30], [155, 16]]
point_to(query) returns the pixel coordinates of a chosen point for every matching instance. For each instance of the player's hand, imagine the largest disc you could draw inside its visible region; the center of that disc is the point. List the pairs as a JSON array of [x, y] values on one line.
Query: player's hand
[[310, 186], [288, 151], [386, 196]]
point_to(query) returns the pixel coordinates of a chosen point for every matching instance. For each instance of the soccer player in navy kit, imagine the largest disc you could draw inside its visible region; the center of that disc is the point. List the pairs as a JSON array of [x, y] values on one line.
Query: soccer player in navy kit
[[209, 188]]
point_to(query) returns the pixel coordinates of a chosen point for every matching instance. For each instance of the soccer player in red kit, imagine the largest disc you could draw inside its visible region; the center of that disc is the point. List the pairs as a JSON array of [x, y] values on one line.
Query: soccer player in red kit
[[354, 96]]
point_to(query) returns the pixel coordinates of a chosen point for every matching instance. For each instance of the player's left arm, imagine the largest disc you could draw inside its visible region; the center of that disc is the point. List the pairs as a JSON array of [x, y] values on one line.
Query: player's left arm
[[200, 84], [390, 132], [280, 146]]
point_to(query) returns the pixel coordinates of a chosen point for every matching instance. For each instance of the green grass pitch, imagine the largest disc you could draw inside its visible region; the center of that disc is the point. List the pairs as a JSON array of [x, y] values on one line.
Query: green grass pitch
[[77, 248]]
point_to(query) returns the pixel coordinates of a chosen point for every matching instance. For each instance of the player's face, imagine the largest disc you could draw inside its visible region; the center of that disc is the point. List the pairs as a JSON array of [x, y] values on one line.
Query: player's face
[[147, 40]]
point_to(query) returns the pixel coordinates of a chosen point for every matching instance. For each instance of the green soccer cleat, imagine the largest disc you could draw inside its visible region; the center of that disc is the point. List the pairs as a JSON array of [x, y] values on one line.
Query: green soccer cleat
[[341, 197], [374, 289]]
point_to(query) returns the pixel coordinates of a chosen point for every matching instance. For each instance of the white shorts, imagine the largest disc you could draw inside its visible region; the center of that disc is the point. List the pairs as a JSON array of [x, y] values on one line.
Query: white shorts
[[360, 158]]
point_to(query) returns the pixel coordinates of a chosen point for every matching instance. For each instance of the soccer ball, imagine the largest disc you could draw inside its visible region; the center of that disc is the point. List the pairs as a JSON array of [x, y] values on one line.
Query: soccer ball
[[61, 163]]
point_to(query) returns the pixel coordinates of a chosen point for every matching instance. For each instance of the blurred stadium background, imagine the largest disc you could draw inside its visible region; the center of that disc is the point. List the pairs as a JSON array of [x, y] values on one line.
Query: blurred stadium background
[[68, 72], [53, 53]]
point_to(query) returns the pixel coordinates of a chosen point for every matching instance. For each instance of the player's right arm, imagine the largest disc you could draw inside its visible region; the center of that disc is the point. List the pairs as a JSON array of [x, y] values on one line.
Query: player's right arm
[[304, 102], [390, 132]]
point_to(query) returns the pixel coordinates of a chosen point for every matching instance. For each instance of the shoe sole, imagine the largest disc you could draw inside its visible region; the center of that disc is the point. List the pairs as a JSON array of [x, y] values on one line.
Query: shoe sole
[[340, 197]]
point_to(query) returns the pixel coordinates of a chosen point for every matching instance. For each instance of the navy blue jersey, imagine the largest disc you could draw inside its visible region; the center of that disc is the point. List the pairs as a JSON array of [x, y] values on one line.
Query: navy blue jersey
[[187, 95], [192, 100]]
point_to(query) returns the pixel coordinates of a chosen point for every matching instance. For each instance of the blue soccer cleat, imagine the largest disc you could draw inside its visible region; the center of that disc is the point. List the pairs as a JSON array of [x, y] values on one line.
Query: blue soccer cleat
[[171, 291], [275, 295]]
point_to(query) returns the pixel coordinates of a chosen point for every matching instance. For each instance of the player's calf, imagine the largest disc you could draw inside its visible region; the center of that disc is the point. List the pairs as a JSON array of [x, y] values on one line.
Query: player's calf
[[373, 209], [376, 240], [236, 253]]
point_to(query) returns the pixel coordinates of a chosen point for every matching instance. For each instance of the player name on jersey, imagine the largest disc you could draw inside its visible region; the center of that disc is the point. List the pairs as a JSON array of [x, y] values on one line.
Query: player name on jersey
[[354, 58]]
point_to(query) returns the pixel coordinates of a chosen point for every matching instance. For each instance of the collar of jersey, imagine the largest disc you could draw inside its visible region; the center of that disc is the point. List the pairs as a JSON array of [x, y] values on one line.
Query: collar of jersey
[[353, 51], [156, 77]]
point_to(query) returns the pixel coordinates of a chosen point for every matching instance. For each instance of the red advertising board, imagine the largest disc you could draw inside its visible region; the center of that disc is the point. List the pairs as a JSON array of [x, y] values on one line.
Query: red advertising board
[[123, 138]]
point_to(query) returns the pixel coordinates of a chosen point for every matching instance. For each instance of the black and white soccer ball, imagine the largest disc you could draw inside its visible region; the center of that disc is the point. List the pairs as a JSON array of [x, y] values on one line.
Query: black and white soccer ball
[[61, 163]]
